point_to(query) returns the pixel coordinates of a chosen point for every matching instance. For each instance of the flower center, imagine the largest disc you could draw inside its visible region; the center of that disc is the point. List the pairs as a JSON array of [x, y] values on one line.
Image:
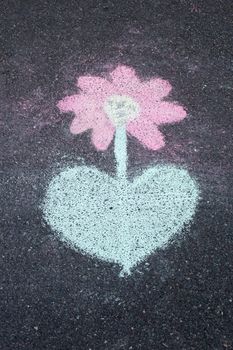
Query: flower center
[[120, 109]]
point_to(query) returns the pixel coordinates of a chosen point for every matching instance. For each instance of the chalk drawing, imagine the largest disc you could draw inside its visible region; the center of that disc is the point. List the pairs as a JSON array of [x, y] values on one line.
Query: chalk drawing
[[113, 218], [116, 221], [105, 104]]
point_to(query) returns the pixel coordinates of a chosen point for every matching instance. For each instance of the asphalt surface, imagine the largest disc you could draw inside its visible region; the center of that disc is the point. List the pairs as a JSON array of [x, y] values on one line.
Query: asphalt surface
[[54, 298]]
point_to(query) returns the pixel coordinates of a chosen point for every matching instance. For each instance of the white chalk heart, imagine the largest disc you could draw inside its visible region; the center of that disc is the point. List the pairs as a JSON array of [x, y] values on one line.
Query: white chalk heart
[[120, 221]]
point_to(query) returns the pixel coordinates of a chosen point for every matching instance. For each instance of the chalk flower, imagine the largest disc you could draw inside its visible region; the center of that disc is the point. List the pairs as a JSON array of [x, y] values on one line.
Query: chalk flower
[[122, 100]]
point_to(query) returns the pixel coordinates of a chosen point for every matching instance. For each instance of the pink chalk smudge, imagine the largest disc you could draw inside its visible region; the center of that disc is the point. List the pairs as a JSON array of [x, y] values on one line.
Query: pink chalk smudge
[[88, 107]]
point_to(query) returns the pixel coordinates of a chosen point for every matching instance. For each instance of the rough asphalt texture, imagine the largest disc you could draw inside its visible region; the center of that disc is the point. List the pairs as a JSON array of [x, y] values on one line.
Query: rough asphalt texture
[[52, 298]]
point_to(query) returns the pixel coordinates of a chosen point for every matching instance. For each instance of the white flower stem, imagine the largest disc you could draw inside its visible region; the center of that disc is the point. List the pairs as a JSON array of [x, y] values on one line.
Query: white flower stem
[[120, 150]]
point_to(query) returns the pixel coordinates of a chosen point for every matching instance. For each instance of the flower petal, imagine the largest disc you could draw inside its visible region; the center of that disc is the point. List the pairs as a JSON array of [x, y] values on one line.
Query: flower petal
[[95, 85], [166, 112], [102, 135], [79, 125], [157, 88], [72, 103], [124, 77], [147, 133]]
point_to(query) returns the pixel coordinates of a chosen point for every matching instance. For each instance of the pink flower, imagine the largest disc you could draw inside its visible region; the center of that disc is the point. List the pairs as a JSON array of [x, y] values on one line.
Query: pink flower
[[105, 104]]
